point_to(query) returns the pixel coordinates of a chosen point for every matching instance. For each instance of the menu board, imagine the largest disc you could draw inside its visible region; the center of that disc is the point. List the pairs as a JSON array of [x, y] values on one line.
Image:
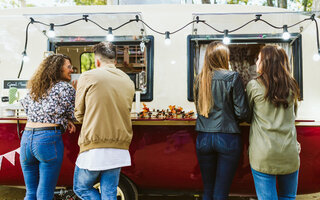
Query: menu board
[[20, 84]]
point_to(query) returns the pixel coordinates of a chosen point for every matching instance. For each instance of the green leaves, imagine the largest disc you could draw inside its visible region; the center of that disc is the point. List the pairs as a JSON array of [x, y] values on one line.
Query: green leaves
[[90, 2], [87, 62]]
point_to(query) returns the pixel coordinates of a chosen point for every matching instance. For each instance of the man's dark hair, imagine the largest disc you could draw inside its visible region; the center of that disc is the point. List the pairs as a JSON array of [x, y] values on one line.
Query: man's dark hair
[[105, 49]]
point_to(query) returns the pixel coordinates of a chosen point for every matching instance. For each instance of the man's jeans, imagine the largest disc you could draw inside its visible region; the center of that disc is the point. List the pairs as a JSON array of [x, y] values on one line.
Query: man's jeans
[[41, 155], [84, 180], [218, 155], [266, 188]]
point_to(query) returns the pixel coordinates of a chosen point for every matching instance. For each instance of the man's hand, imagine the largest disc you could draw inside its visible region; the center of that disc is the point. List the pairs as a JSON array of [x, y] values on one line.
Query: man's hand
[[71, 127]]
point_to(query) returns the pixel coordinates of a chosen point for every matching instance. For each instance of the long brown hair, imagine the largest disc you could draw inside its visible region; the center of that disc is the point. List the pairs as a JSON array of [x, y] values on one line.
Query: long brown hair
[[216, 57], [47, 74], [276, 77]]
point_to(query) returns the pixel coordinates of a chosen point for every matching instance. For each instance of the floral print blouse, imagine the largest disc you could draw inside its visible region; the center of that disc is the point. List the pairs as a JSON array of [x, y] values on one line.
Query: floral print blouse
[[55, 108]]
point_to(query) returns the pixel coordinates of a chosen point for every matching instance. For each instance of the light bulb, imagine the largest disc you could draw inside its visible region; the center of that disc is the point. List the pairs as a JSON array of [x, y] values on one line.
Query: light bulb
[[286, 35], [51, 33], [316, 57], [167, 40], [142, 45], [226, 40], [26, 58], [110, 36]]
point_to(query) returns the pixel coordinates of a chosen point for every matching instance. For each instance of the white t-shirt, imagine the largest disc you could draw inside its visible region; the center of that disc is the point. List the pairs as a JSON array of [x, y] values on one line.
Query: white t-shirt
[[103, 159]]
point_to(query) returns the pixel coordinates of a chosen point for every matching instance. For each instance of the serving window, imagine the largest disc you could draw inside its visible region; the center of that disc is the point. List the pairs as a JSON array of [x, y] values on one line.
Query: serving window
[[129, 58], [244, 50]]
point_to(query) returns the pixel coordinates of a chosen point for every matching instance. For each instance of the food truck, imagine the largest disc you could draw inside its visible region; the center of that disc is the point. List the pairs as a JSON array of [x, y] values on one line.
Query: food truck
[[161, 48]]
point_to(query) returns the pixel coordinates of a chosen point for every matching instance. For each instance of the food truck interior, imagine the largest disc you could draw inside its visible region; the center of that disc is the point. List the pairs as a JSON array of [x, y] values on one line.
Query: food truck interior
[[244, 50], [131, 57]]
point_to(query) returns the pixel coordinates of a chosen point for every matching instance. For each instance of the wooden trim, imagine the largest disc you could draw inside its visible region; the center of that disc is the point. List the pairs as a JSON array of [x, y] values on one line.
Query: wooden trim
[[164, 123]]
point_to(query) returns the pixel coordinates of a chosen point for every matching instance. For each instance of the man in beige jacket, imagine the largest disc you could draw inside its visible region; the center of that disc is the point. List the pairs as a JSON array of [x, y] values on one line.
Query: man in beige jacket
[[103, 104]]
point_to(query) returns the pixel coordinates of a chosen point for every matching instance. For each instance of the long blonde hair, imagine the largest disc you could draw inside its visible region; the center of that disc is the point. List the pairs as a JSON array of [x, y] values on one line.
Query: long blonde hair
[[47, 74], [216, 58]]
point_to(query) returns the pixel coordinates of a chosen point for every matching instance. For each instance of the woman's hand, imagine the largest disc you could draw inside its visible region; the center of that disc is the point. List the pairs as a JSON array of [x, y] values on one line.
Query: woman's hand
[[71, 127], [74, 84]]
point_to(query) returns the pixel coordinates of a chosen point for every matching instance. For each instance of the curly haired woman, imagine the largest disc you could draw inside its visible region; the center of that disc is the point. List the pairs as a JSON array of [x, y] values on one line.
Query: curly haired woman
[[49, 107]]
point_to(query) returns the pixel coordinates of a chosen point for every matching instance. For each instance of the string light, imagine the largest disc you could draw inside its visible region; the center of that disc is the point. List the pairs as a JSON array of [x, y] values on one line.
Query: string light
[[316, 57], [142, 43], [226, 40], [285, 35], [110, 36], [25, 57], [142, 46], [167, 39], [51, 33]]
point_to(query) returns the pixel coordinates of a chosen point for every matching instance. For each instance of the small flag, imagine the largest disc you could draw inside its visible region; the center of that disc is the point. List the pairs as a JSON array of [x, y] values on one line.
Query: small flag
[[10, 157], [18, 150], [0, 161]]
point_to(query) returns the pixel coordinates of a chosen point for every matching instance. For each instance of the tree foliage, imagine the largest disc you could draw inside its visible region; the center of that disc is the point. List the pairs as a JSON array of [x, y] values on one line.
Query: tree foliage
[[87, 62], [90, 2], [238, 2], [306, 4], [14, 4]]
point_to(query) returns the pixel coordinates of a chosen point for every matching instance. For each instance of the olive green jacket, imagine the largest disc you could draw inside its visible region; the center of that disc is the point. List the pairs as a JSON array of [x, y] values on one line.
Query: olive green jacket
[[273, 146]]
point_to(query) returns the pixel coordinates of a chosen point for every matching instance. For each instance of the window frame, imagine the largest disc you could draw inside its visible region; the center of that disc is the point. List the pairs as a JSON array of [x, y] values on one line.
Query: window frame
[[296, 40], [54, 43]]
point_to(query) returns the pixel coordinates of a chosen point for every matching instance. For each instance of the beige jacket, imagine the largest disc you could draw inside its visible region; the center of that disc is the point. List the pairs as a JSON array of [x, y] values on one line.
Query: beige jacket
[[273, 145], [103, 105]]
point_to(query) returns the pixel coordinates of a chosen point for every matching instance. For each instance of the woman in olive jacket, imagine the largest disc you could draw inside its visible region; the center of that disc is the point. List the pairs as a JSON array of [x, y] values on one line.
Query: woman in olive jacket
[[273, 146], [221, 104]]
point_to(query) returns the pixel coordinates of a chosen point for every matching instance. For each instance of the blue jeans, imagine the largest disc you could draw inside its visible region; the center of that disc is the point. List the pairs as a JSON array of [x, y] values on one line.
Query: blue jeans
[[84, 180], [41, 155], [266, 188], [218, 155]]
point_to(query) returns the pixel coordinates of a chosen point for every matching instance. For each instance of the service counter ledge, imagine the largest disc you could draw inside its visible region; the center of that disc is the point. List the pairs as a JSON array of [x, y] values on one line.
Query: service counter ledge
[[158, 122]]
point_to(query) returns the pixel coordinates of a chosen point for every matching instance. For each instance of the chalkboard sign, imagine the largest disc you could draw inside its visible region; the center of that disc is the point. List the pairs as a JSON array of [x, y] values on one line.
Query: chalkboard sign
[[20, 84]]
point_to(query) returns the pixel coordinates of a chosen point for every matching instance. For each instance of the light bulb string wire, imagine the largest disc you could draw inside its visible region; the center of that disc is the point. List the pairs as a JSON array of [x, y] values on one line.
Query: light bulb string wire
[[317, 32], [307, 19], [25, 47], [59, 25], [192, 22], [249, 22], [128, 22], [213, 27], [105, 29], [27, 34], [85, 18], [256, 20], [273, 26], [173, 32], [161, 33]]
